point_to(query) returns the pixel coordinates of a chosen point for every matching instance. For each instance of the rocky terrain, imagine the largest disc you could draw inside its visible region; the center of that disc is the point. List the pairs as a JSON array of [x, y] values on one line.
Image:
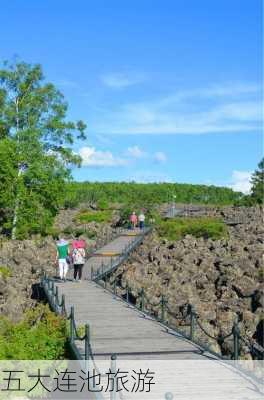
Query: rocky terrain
[[22, 263], [224, 279]]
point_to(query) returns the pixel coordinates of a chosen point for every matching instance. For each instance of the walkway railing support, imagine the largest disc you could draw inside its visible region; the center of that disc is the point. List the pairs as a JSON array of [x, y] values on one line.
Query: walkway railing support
[[113, 371], [236, 334], [72, 324], [163, 303], [192, 322], [87, 341], [142, 300], [63, 308]]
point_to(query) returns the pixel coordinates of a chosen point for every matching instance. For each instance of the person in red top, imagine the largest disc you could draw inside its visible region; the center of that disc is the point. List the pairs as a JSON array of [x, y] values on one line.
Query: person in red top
[[133, 219]]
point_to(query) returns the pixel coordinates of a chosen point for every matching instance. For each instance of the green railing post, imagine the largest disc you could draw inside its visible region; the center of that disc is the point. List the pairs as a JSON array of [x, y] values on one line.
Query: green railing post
[[163, 302], [92, 272], [56, 298], [236, 334], [63, 309], [113, 393], [192, 322], [52, 288], [127, 293], [87, 342], [142, 300], [72, 324], [115, 287]]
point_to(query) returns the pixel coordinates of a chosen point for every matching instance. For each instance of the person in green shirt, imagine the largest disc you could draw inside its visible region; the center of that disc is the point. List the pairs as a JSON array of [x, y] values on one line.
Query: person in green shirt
[[62, 254]]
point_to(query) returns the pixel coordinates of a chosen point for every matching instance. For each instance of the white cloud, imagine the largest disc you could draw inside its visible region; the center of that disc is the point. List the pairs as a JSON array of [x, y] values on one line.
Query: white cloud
[[241, 181], [121, 80], [216, 109], [136, 152], [97, 158], [160, 157]]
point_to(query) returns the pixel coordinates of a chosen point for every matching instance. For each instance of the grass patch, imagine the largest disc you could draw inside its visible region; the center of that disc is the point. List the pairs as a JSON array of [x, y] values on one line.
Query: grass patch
[[94, 216], [4, 271], [177, 228]]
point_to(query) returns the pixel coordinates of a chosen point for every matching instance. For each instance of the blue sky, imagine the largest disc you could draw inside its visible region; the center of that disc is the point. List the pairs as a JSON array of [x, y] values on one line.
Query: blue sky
[[170, 90]]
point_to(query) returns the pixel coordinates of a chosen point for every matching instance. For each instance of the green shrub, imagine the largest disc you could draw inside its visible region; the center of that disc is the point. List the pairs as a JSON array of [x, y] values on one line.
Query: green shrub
[[54, 232], [41, 335], [177, 228], [4, 271], [94, 216], [102, 205]]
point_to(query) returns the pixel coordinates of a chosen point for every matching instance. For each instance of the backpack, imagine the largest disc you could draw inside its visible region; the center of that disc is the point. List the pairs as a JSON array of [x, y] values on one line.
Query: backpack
[[78, 256]]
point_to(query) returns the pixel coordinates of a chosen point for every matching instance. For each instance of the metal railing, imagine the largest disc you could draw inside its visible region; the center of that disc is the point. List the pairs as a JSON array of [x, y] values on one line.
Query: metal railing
[[59, 307], [114, 262], [160, 310]]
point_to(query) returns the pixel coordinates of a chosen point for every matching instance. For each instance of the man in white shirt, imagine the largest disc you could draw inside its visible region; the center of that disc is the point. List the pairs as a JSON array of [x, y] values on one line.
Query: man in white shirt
[[141, 219]]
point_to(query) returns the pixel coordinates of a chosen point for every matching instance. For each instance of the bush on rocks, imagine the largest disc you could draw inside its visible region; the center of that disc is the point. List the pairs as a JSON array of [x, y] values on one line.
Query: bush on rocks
[[40, 335]]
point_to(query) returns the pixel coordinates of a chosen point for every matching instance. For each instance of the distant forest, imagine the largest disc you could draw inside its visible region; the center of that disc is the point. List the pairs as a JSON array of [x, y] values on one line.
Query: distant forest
[[140, 194]]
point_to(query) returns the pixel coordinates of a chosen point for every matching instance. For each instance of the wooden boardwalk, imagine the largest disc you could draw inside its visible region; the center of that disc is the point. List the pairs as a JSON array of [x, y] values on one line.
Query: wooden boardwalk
[[117, 327]]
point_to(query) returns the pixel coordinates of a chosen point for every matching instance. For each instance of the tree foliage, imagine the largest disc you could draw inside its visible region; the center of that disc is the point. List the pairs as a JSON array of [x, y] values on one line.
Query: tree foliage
[[35, 148], [138, 195]]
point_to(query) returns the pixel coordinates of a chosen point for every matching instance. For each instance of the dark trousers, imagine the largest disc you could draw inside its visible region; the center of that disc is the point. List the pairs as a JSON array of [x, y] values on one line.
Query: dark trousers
[[141, 224], [78, 271]]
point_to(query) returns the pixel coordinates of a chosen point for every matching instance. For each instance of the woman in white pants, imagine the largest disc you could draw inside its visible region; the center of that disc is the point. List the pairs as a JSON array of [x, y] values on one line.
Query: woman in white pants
[[62, 254]]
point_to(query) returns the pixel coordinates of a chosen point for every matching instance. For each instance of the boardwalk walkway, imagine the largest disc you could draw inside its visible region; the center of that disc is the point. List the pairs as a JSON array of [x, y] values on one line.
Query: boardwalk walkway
[[118, 328], [115, 326]]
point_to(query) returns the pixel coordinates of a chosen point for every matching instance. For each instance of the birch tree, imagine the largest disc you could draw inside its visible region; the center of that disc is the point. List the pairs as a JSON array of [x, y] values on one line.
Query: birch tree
[[34, 124]]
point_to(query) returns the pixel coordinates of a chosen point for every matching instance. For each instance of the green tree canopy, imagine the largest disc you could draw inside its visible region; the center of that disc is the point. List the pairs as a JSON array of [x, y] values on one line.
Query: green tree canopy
[[35, 148], [258, 183]]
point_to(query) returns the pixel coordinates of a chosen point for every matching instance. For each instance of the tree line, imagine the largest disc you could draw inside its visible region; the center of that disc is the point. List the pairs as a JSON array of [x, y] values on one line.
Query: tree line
[[140, 194]]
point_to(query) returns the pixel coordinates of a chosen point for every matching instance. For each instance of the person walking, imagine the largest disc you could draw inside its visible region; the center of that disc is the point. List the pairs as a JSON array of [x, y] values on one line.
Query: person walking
[[78, 256], [141, 219], [133, 220], [61, 258]]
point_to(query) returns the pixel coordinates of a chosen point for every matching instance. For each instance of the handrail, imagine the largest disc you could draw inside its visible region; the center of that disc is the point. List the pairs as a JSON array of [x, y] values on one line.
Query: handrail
[[59, 308], [194, 322], [104, 270]]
